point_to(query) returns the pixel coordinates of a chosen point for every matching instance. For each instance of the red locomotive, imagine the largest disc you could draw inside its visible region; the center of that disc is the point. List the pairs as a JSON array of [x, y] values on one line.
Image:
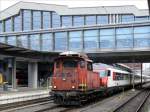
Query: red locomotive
[[73, 79]]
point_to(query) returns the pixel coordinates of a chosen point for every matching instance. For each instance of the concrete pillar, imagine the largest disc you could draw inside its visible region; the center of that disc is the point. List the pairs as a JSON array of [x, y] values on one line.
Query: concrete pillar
[[11, 72], [32, 74]]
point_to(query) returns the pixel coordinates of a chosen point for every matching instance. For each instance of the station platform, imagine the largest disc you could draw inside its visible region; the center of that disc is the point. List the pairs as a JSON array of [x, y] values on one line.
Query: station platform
[[22, 94]]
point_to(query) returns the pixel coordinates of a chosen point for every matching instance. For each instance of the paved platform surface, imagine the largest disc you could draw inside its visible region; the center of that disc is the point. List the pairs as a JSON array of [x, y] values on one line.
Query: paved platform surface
[[22, 94]]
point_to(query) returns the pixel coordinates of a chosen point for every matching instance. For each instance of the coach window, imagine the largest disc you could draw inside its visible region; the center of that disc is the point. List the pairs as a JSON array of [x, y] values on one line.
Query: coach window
[[89, 66], [108, 73]]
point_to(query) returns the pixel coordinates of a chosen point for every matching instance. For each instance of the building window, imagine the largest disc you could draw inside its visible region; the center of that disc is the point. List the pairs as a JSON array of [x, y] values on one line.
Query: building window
[[47, 42], [102, 19], [75, 40], [55, 20], [26, 20], [127, 18], [17, 23], [61, 41], [66, 21], [1, 27], [90, 20], [46, 20], [36, 20], [141, 18], [124, 37], [142, 36], [11, 40], [107, 38], [2, 39], [90, 39], [78, 20], [22, 41], [8, 25], [35, 42]]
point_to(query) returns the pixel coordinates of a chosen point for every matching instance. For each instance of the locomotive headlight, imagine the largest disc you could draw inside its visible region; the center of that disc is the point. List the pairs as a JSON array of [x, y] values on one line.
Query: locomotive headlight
[[73, 87], [54, 86]]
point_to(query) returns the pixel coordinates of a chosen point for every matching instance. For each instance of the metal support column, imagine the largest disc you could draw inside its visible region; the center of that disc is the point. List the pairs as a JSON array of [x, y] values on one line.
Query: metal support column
[[141, 74], [133, 73]]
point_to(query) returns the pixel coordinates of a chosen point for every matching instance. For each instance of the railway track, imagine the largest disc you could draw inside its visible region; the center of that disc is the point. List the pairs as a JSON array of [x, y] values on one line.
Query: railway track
[[23, 104], [135, 103]]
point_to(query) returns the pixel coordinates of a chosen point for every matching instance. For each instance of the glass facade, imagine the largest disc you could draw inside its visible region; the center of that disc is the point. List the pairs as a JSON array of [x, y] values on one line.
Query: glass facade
[[61, 41], [26, 20], [102, 39], [47, 41]]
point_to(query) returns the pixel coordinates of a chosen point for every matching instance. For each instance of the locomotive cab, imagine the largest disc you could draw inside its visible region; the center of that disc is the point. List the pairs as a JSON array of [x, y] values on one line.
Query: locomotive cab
[[73, 78]]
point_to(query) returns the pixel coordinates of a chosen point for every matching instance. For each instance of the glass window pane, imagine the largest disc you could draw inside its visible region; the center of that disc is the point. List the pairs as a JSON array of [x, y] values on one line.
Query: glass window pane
[[61, 41], [46, 20], [91, 39], [90, 20], [75, 40], [66, 21], [36, 20], [55, 20], [47, 42], [17, 23], [35, 42], [2, 39], [78, 20], [11, 40], [124, 37], [1, 30], [127, 18], [102, 19], [8, 25], [141, 18], [142, 36], [26, 20], [107, 38], [22, 41]]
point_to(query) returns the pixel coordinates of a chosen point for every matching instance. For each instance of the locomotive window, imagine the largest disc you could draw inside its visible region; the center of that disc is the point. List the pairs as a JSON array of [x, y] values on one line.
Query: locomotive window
[[89, 66], [70, 63], [82, 64]]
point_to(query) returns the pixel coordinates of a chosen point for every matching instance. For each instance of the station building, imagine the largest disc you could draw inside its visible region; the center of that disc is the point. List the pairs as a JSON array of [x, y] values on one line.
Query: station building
[[57, 28]]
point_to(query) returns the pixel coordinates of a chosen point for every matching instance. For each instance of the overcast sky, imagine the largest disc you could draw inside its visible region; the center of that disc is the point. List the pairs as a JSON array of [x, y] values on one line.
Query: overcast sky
[[142, 4]]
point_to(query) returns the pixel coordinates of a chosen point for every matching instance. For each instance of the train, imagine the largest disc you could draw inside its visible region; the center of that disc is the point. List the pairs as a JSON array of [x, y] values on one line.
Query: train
[[77, 80]]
